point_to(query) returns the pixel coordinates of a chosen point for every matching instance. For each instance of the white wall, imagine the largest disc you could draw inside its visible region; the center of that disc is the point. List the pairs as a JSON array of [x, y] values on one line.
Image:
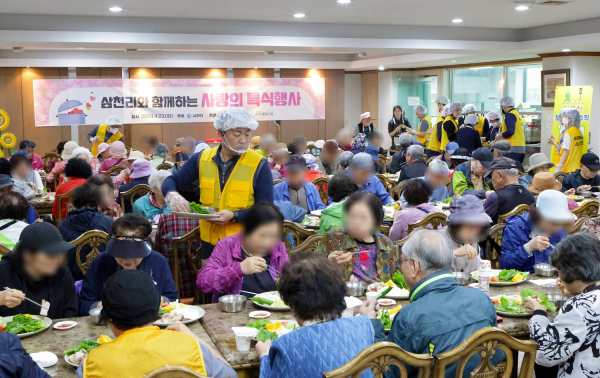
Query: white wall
[[352, 100], [388, 96]]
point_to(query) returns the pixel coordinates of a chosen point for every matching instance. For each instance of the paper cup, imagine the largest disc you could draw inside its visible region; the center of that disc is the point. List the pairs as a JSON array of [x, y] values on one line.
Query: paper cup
[[372, 295], [242, 343]]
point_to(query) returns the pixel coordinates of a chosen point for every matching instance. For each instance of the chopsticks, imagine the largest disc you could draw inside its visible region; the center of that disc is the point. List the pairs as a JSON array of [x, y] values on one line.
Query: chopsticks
[[34, 302], [249, 292], [272, 270]]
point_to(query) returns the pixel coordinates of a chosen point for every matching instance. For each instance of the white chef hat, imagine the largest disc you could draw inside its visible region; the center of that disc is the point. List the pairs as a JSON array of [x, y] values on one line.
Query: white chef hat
[[420, 109], [454, 106], [113, 120], [235, 118], [365, 115]]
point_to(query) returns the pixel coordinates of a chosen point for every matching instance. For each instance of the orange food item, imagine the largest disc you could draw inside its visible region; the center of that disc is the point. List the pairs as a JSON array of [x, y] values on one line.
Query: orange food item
[[494, 279], [495, 302]]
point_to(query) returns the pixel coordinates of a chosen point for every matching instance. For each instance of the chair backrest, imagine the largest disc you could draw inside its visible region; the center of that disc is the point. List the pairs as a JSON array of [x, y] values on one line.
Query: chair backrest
[[313, 150], [134, 193], [60, 198], [164, 167], [396, 191], [519, 210], [385, 162], [56, 177], [577, 226], [193, 255], [3, 249], [93, 239], [433, 219], [384, 229], [47, 158], [299, 234], [310, 244], [321, 183], [173, 372], [560, 176], [378, 358], [387, 183], [492, 253], [487, 342], [587, 209], [278, 181], [114, 169]]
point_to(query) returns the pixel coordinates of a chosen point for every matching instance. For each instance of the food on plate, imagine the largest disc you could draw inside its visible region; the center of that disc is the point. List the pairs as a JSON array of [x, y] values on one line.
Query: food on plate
[[540, 297], [384, 292], [268, 330], [80, 352], [262, 301], [385, 318], [170, 314], [512, 275], [24, 324], [395, 310], [198, 209], [448, 200], [573, 197], [311, 221], [511, 305], [398, 280], [276, 300], [260, 314], [66, 325], [396, 287], [76, 358], [386, 302]]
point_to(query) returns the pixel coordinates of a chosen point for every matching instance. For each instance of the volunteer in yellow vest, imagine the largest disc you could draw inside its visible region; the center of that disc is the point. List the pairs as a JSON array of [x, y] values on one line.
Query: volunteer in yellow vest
[[232, 178], [433, 146], [130, 306], [483, 126], [109, 132], [571, 143], [512, 129], [450, 125], [554, 146], [424, 129]]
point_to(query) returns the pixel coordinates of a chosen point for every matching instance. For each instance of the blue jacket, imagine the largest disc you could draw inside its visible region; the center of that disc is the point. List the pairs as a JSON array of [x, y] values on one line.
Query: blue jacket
[[74, 225], [281, 192], [104, 266], [441, 315], [144, 207], [290, 212], [309, 351], [516, 234], [14, 360], [375, 186]]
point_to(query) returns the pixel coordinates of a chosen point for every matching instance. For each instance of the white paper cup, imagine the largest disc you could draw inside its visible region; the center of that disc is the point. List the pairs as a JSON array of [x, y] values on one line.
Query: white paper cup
[[242, 343], [372, 295]]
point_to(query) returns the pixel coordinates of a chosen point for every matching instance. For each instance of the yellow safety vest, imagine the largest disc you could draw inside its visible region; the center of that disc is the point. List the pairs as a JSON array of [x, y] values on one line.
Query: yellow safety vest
[[518, 138], [423, 139], [479, 126], [101, 133], [573, 161], [445, 140], [138, 351], [434, 143], [237, 194]]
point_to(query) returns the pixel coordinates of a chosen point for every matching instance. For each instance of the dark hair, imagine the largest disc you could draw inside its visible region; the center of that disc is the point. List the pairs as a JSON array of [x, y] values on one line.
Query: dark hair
[[86, 195], [577, 258], [61, 146], [340, 186], [77, 168], [374, 135], [399, 108], [260, 214], [132, 222], [483, 234], [417, 191], [313, 287], [17, 160], [14, 206], [151, 139], [26, 143], [371, 200], [100, 180], [4, 166]]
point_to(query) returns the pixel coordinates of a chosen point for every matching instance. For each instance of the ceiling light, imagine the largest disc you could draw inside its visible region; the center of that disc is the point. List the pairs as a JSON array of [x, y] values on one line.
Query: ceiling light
[[362, 54], [80, 48], [255, 68], [454, 61], [344, 1], [381, 68], [115, 9], [566, 50], [457, 20], [18, 49], [522, 8], [299, 15]]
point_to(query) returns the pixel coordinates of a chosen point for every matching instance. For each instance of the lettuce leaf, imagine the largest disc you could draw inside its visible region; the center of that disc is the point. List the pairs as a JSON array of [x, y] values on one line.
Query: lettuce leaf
[[544, 301], [398, 279], [264, 335], [385, 318], [506, 275], [510, 306]]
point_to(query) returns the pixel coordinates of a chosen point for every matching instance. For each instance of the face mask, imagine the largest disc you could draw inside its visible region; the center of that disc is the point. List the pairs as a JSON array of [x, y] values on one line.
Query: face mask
[[565, 121], [241, 152], [493, 124], [114, 129]]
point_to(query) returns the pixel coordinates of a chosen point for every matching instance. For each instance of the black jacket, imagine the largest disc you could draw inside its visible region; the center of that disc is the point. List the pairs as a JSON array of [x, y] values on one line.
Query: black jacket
[[398, 160], [414, 170], [469, 138], [59, 290], [394, 123], [575, 180]]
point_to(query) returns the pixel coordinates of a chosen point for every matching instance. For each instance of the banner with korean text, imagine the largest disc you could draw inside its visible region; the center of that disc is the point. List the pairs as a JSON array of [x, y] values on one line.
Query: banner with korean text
[[90, 101]]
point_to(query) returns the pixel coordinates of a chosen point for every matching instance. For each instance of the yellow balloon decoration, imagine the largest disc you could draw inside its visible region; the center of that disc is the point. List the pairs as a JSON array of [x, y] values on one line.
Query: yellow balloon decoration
[[4, 120], [8, 140]]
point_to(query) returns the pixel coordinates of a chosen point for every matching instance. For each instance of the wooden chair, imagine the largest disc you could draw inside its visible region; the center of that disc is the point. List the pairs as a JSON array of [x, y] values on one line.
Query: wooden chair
[[434, 220], [56, 176], [519, 210], [60, 198], [430, 159], [92, 239], [47, 158], [299, 234], [379, 357], [396, 191], [384, 229], [193, 255], [487, 342], [275, 182], [560, 176], [494, 246], [311, 148], [4, 249], [164, 167], [116, 169], [321, 184], [387, 183], [587, 209], [173, 372], [448, 184], [385, 162], [134, 193], [577, 226], [310, 244]]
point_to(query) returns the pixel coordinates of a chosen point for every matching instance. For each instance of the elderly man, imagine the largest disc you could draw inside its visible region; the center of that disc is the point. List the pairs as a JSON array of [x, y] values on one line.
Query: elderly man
[[160, 156], [584, 179], [450, 125], [362, 173], [512, 129], [267, 145], [441, 314], [345, 159], [399, 158], [343, 137], [187, 147], [537, 163], [364, 126], [436, 176], [232, 178], [501, 148], [468, 177], [295, 189], [415, 165], [108, 132], [446, 156], [327, 161], [509, 193]]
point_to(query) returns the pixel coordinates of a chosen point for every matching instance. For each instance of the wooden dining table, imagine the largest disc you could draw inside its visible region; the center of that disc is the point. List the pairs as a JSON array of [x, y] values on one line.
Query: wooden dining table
[[43, 204]]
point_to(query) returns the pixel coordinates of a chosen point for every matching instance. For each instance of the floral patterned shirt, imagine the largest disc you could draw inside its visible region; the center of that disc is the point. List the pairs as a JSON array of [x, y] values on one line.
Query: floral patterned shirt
[[364, 267]]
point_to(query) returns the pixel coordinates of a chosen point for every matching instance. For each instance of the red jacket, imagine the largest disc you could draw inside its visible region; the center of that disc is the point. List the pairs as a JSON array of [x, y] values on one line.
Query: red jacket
[[63, 188]]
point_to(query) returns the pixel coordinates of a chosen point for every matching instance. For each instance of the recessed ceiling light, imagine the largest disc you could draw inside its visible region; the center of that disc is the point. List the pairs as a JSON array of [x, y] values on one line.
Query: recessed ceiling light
[[522, 8], [457, 20], [566, 50], [344, 1], [454, 61], [299, 15], [255, 68], [80, 48], [115, 9], [381, 68]]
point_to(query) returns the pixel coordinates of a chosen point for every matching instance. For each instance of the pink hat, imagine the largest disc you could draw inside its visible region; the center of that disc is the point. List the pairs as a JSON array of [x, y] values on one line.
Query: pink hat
[[117, 149], [102, 147], [141, 168]]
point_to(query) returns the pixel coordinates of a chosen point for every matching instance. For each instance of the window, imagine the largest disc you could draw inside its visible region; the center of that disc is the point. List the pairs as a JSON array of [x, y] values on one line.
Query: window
[[524, 84]]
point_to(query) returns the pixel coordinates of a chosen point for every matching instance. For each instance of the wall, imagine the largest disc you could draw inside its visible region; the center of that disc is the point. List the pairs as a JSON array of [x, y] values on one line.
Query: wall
[[388, 96], [352, 100]]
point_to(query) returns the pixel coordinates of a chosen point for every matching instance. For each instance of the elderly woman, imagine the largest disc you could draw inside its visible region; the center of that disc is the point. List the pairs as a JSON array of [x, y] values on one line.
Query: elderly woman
[[314, 288], [399, 159], [66, 154], [339, 188], [537, 163], [280, 158], [128, 248], [148, 145], [118, 154], [416, 193], [571, 341], [343, 138], [345, 159], [107, 189], [160, 156], [298, 145], [27, 181], [36, 161], [248, 262], [267, 145], [529, 239], [364, 253], [153, 203], [546, 181], [103, 154], [311, 164], [85, 154], [77, 172]]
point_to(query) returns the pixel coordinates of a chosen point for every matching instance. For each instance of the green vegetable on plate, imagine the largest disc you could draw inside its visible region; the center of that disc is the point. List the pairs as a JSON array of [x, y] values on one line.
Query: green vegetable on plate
[[83, 344], [262, 301], [506, 275], [398, 279], [509, 306], [385, 318], [23, 324], [448, 200], [384, 293], [197, 208], [544, 301]]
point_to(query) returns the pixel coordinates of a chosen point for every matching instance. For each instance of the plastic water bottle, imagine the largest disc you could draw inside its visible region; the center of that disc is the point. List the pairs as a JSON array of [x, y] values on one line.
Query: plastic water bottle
[[484, 272]]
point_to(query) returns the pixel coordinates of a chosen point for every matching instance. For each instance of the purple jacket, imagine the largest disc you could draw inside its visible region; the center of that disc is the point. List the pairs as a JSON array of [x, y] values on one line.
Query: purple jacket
[[222, 274]]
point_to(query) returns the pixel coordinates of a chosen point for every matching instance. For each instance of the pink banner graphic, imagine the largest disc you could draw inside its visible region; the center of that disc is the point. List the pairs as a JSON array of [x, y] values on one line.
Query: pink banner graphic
[[90, 101]]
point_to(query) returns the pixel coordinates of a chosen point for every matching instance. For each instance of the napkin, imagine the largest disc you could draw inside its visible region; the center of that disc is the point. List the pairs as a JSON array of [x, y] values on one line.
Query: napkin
[[544, 282], [352, 302]]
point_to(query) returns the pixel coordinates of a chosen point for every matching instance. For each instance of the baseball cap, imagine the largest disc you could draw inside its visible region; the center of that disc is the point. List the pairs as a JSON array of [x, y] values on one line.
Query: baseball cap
[[501, 163], [296, 163], [362, 160], [460, 153], [501, 145], [42, 236], [373, 151], [591, 161], [451, 147], [484, 156], [130, 298], [5, 181]]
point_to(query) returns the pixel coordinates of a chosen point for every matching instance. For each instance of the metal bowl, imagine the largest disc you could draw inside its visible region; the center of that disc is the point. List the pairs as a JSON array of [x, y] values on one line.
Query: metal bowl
[[95, 315], [462, 278], [544, 270], [356, 289], [557, 299], [585, 194], [232, 303]]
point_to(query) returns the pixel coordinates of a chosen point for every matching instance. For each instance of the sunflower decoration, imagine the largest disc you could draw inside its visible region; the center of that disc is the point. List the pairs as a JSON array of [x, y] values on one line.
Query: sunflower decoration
[[4, 120], [1, 154], [8, 140]]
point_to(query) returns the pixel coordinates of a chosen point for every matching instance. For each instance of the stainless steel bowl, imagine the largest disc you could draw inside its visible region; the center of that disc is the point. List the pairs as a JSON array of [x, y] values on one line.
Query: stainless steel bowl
[[585, 194], [557, 299], [232, 303], [356, 289], [544, 270], [462, 278], [95, 315]]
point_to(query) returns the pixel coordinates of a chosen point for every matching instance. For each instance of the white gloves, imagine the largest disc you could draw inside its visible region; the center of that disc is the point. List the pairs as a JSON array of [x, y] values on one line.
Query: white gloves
[[176, 202]]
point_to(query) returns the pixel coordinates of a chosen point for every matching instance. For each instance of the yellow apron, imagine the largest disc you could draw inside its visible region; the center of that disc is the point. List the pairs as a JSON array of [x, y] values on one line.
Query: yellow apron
[[434, 143], [479, 126], [445, 140], [423, 139], [573, 161], [237, 194], [518, 138], [100, 134]]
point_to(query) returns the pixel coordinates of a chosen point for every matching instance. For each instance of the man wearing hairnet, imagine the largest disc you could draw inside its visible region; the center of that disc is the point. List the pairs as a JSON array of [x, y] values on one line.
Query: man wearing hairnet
[[512, 129], [442, 101], [570, 146], [108, 132], [424, 129], [450, 125], [482, 127], [232, 178], [433, 147]]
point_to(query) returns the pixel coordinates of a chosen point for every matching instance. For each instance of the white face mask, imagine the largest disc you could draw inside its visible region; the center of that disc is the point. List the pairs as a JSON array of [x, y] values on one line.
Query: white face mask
[[565, 121], [114, 129], [241, 152], [493, 124]]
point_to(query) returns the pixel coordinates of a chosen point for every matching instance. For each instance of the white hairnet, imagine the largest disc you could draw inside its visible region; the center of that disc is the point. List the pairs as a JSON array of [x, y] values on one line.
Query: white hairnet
[[469, 108], [113, 120], [201, 147], [420, 109], [446, 111], [561, 112], [574, 115], [471, 119], [507, 101], [454, 106], [495, 115], [235, 118], [442, 100]]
